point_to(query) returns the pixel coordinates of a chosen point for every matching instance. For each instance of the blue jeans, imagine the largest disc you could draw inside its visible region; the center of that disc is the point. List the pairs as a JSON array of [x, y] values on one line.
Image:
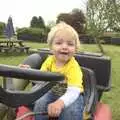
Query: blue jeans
[[73, 112]]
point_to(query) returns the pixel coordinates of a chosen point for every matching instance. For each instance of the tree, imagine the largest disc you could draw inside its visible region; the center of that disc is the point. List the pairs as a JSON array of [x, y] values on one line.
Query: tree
[[37, 22], [113, 8], [96, 20], [79, 20], [2, 27], [75, 18], [33, 22], [41, 22], [102, 15], [66, 17]]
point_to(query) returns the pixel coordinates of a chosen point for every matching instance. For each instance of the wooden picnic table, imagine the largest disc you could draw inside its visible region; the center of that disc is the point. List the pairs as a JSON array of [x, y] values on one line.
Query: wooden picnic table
[[11, 43], [6, 45]]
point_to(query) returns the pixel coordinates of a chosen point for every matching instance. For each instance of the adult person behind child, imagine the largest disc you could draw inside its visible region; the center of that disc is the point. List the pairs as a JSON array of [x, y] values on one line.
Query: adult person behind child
[[65, 100]]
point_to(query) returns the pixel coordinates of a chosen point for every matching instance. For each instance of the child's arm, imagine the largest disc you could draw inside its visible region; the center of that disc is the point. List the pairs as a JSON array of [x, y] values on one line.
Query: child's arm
[[70, 95], [55, 108]]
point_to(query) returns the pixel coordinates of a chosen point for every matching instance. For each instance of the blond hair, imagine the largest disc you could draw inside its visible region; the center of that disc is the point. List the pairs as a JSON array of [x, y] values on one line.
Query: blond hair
[[63, 26]]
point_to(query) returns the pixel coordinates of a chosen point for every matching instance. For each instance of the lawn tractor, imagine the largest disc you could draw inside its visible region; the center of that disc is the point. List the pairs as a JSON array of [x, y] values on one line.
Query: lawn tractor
[[96, 70]]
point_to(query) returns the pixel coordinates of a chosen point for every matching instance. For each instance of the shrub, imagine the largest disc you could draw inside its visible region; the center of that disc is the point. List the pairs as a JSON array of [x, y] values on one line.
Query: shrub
[[2, 27], [32, 34]]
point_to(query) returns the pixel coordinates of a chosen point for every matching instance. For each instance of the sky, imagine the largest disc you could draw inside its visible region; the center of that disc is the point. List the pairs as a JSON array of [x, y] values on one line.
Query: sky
[[22, 11]]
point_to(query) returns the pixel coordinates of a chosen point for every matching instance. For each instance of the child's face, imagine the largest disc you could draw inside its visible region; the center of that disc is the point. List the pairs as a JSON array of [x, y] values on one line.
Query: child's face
[[63, 46]]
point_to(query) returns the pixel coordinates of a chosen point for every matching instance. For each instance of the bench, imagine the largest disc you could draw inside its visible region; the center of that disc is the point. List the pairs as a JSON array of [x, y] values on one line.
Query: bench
[[23, 49], [4, 49]]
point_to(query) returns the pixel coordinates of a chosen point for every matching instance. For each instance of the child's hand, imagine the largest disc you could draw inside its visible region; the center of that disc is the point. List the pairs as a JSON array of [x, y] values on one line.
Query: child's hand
[[55, 108], [24, 66]]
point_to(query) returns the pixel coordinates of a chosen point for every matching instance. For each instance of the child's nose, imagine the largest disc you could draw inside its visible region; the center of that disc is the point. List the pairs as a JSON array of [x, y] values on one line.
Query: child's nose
[[64, 46]]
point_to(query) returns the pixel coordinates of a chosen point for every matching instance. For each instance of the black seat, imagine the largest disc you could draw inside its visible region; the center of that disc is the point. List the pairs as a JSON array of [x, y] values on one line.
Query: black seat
[[90, 91]]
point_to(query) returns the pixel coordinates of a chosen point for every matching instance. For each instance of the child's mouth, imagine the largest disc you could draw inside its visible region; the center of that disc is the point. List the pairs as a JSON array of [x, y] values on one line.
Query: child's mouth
[[64, 53]]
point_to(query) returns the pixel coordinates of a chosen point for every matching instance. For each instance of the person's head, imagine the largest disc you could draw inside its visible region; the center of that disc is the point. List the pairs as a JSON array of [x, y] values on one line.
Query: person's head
[[63, 41]]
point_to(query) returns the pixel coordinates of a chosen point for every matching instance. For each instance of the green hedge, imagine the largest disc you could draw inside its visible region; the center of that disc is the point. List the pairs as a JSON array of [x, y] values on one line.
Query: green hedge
[[2, 27], [32, 34]]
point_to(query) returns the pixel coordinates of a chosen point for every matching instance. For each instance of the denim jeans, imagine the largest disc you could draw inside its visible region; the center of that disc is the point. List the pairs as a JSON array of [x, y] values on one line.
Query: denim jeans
[[72, 112]]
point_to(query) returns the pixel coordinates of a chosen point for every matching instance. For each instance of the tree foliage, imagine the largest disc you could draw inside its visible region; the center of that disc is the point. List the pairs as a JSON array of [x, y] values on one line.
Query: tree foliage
[[41, 22], [2, 27], [114, 15], [102, 15], [75, 18], [37, 22], [33, 22]]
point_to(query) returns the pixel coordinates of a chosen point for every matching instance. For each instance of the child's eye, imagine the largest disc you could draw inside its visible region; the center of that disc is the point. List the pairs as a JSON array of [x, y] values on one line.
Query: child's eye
[[71, 44], [58, 43]]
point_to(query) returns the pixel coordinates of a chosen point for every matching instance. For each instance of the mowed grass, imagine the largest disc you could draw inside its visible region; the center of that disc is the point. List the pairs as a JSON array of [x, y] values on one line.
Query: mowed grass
[[112, 97]]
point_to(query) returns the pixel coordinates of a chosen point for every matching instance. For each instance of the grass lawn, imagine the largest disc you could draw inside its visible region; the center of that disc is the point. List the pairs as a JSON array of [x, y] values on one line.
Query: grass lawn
[[112, 97]]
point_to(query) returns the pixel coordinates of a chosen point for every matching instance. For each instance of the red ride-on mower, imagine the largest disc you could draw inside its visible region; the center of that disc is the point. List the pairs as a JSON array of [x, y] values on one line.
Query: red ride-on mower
[[96, 76]]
